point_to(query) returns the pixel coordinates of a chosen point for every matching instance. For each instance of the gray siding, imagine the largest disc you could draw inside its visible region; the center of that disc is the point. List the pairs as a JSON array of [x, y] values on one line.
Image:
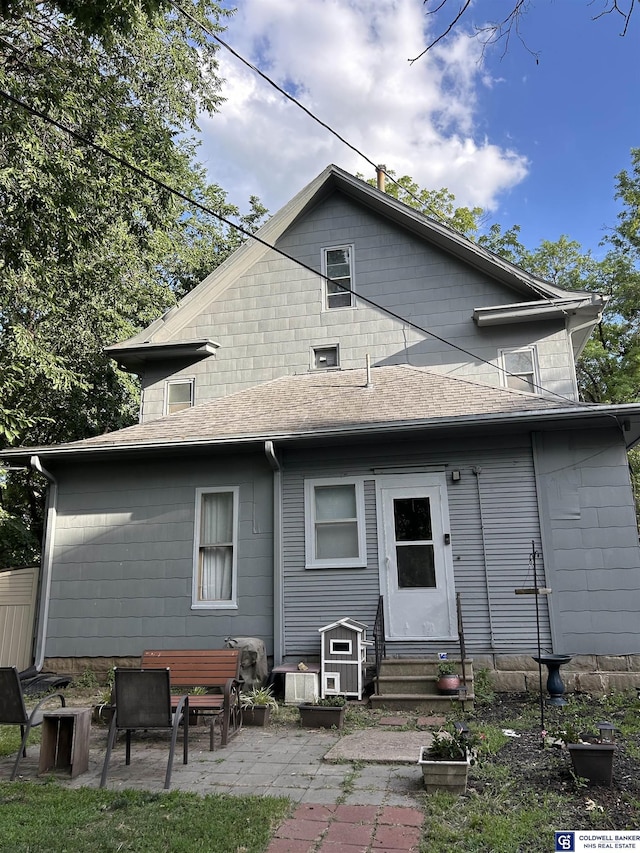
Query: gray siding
[[591, 542], [123, 557], [493, 521], [268, 320]]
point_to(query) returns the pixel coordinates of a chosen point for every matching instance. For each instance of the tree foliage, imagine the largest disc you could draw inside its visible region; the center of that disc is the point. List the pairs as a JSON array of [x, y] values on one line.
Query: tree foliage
[[89, 250], [438, 204]]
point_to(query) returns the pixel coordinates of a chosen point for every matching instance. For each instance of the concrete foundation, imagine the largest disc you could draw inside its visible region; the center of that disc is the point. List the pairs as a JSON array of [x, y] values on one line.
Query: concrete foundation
[[592, 674]]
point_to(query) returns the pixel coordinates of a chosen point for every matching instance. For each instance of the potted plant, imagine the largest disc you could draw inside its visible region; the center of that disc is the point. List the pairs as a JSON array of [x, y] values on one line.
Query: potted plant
[[257, 705], [445, 763], [103, 711], [323, 713], [591, 754], [448, 682]]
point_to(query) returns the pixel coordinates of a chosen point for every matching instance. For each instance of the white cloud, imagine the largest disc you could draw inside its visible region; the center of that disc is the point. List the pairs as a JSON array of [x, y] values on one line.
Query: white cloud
[[347, 62]]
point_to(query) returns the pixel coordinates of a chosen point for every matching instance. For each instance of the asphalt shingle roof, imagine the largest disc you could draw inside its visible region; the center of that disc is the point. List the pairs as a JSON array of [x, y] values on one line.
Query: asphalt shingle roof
[[328, 402]]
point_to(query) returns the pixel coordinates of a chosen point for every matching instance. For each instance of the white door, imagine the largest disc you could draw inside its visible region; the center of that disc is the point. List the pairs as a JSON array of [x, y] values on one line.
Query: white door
[[416, 569]]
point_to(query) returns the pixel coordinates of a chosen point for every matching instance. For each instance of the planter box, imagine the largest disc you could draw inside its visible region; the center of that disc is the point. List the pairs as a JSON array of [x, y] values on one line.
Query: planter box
[[443, 775], [258, 715], [593, 761], [322, 716]]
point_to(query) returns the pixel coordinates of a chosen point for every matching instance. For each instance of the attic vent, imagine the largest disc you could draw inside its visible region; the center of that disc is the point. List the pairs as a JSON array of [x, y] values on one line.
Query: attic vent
[[323, 358]]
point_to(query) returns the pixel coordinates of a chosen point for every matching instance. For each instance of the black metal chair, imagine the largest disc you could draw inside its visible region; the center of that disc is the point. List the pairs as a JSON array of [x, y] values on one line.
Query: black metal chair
[[142, 699], [13, 711]]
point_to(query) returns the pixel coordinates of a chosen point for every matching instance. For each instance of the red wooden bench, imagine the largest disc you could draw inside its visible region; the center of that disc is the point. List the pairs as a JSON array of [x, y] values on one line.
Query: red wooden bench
[[217, 670]]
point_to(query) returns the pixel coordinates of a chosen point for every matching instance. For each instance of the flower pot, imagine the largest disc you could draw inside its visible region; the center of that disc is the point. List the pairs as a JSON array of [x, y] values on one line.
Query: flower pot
[[102, 714], [256, 715], [322, 716], [448, 685], [593, 761], [440, 775]]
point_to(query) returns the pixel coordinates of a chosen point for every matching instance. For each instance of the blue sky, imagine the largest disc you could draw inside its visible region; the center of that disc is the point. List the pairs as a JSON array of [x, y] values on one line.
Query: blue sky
[[534, 144]]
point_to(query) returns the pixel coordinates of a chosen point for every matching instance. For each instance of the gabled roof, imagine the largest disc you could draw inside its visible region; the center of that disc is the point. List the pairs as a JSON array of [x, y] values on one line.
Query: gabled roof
[[335, 405], [535, 290]]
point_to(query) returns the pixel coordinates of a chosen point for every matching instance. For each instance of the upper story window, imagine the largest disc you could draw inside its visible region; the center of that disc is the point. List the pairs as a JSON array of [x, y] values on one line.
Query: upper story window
[[323, 358], [215, 548], [337, 264], [178, 395], [334, 524], [520, 368]]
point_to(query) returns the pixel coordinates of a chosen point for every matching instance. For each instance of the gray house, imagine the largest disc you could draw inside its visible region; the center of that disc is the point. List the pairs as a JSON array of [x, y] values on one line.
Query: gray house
[[361, 407]]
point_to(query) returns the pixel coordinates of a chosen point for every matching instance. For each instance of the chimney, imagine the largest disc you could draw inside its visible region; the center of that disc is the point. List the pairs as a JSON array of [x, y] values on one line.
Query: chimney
[[380, 176]]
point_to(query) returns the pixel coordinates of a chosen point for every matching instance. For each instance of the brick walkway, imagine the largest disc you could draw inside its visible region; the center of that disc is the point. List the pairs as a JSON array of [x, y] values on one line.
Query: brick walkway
[[349, 829]]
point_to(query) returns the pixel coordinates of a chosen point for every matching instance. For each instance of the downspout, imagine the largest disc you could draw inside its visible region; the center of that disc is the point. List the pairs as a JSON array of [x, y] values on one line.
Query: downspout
[[477, 471], [47, 559], [278, 594]]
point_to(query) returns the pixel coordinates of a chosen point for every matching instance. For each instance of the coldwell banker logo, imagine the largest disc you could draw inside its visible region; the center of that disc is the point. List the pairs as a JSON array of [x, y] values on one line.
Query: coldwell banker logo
[[565, 841]]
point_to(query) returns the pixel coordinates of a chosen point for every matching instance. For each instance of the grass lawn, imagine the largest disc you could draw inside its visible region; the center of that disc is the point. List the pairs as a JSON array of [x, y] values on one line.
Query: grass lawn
[[48, 818], [517, 795], [36, 818]]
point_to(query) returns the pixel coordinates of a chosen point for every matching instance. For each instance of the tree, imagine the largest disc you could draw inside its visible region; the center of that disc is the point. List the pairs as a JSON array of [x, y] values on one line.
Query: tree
[[438, 204], [450, 14], [90, 251], [91, 18]]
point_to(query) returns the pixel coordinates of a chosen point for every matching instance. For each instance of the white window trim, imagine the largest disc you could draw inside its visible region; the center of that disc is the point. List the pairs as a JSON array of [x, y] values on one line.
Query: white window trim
[[311, 561], [336, 651], [232, 603], [504, 375], [332, 689], [314, 350], [325, 301], [183, 380]]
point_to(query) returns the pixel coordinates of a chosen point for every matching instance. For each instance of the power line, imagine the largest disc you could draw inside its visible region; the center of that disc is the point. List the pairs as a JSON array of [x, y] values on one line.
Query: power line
[[436, 214], [189, 200]]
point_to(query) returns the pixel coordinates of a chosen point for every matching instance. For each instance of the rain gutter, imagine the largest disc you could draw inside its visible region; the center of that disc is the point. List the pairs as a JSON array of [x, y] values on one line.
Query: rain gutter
[[386, 427]]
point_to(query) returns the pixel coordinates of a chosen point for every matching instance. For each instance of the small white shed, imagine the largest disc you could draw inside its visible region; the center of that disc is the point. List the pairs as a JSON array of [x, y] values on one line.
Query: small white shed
[[343, 658]]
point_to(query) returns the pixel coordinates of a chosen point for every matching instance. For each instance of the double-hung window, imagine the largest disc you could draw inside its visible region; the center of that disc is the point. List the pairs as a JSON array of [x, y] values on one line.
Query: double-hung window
[[334, 524], [215, 549], [337, 265], [520, 369], [178, 395]]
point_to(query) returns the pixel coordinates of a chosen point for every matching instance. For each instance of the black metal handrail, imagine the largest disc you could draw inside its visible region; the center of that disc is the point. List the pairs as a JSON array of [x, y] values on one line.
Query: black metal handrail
[[380, 648]]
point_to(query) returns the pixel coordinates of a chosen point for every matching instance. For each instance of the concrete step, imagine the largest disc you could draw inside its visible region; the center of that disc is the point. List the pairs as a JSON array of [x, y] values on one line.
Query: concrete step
[[413, 684], [421, 666], [409, 702]]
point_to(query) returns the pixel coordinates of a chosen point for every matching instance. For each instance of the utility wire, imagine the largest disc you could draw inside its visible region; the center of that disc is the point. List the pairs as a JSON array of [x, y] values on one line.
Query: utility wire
[[189, 200], [436, 214]]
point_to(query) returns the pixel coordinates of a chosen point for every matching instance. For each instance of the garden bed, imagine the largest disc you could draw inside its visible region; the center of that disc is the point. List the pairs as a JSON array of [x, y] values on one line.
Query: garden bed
[[542, 771]]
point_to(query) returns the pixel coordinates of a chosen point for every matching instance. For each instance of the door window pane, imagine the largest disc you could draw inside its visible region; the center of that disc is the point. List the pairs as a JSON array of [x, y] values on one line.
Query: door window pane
[[412, 519], [416, 566]]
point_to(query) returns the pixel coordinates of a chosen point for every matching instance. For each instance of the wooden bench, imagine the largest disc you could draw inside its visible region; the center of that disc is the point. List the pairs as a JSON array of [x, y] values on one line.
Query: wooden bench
[[217, 670]]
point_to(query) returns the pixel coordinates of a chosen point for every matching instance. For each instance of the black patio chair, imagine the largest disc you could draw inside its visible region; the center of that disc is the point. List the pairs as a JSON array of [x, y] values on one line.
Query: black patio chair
[[142, 699], [13, 711]]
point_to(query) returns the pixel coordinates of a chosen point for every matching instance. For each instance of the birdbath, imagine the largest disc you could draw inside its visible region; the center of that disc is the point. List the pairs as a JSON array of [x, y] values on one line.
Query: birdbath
[[555, 687]]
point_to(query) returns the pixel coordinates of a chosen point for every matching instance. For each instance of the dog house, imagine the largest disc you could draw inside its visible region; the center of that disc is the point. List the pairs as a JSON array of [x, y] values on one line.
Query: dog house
[[343, 658]]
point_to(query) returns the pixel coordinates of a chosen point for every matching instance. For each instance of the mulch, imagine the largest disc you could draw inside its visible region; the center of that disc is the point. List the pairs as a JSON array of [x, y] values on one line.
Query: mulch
[[534, 769]]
